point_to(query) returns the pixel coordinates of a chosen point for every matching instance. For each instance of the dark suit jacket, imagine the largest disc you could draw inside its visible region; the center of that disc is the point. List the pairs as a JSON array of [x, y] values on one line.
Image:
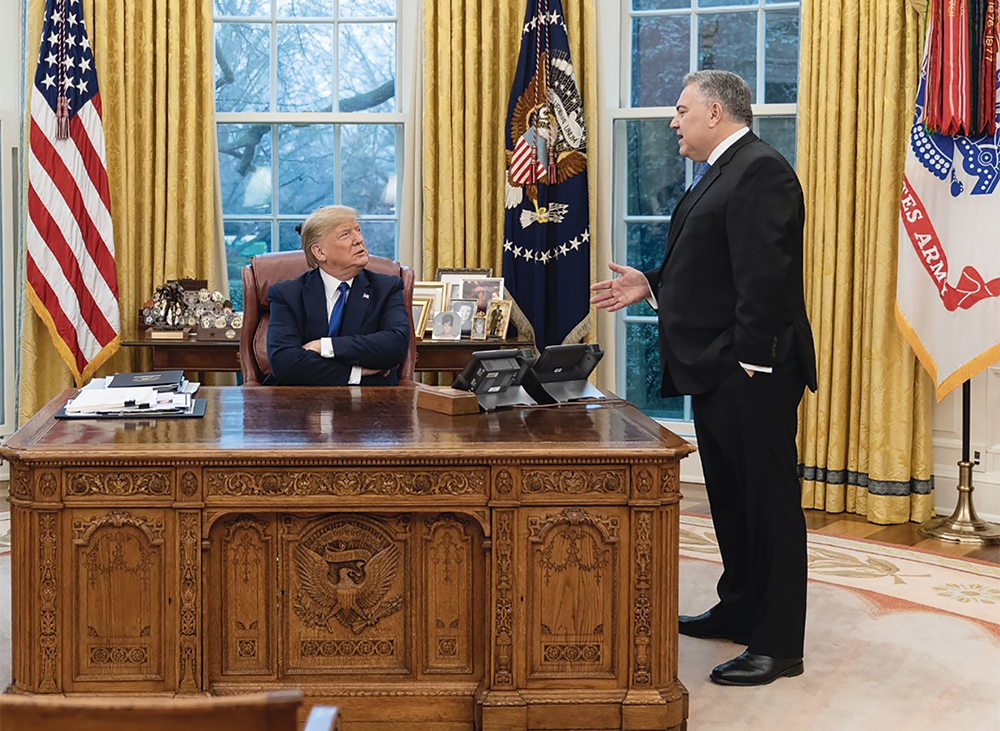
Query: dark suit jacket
[[730, 286], [375, 332]]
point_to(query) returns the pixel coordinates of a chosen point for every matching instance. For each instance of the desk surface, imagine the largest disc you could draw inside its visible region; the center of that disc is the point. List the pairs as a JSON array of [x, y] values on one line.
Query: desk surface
[[337, 422]]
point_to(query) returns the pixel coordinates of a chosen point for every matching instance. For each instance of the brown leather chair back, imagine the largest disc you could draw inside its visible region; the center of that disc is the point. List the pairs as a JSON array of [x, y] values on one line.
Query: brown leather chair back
[[267, 269], [274, 711]]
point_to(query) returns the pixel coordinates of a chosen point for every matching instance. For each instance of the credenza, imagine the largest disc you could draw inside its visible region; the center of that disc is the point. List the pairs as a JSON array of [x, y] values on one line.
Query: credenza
[[509, 570]]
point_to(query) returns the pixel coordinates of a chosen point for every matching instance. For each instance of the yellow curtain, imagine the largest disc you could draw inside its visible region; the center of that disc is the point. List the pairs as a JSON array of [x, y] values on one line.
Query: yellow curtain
[[154, 65], [865, 437], [470, 55]]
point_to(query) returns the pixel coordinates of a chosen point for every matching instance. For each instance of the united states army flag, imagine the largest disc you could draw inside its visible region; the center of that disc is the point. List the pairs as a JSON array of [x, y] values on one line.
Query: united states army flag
[[948, 286]]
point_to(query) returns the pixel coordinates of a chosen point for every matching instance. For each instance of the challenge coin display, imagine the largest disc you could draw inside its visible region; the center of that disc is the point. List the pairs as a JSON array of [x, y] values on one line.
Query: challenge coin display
[[172, 311]]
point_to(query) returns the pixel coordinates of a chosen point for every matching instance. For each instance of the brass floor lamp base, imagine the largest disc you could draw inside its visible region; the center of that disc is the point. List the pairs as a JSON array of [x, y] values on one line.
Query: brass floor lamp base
[[963, 525]]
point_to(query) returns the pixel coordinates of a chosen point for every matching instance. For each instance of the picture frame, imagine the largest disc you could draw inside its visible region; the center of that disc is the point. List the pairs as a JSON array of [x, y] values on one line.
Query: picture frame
[[447, 326], [466, 309], [497, 319], [478, 327], [421, 310], [435, 291], [442, 272], [483, 289], [453, 278]]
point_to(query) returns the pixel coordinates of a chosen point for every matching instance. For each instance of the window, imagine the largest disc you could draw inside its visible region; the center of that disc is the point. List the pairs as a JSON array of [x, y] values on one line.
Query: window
[[308, 113], [662, 41]]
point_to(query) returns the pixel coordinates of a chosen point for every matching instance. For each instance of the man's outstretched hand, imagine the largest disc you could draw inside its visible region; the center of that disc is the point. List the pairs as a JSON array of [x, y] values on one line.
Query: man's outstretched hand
[[629, 287]]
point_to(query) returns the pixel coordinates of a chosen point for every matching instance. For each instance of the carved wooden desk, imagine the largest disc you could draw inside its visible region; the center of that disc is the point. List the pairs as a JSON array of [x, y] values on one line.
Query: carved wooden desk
[[505, 571]]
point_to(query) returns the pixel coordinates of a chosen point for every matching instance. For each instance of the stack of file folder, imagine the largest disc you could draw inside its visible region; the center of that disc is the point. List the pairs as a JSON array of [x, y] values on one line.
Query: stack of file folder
[[161, 393]]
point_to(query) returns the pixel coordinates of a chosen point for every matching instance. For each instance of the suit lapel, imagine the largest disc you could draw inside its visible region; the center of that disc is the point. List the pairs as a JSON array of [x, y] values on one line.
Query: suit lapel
[[314, 302], [358, 299], [692, 196]]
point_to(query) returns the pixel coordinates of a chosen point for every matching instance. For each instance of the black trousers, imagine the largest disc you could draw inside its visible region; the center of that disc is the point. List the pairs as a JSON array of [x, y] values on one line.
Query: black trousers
[[746, 437]]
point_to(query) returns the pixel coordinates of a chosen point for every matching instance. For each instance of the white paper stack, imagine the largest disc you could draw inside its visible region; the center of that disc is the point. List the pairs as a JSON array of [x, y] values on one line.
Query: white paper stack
[[99, 400], [142, 400]]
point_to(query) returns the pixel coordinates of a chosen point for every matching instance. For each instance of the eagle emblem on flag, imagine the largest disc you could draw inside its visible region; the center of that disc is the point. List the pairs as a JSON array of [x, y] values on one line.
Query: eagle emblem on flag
[[549, 137], [546, 247]]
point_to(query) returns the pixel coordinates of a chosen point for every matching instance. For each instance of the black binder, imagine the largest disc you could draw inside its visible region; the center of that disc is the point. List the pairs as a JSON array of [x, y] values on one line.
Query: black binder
[[160, 380]]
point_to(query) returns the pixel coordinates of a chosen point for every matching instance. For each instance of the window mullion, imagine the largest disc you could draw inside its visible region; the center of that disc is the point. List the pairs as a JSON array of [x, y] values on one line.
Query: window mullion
[[336, 165], [274, 187], [761, 52]]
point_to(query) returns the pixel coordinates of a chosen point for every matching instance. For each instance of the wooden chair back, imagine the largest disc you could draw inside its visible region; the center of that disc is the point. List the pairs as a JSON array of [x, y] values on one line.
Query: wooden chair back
[[273, 711]]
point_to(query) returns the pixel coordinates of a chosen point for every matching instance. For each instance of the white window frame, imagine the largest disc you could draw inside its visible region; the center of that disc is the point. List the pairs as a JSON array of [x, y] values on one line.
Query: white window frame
[[406, 20], [616, 160]]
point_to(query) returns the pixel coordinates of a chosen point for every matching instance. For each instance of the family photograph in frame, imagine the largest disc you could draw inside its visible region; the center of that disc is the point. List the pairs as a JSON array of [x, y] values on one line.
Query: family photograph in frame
[[421, 309], [478, 327], [497, 319], [453, 278], [483, 290], [436, 292], [447, 326], [465, 309]]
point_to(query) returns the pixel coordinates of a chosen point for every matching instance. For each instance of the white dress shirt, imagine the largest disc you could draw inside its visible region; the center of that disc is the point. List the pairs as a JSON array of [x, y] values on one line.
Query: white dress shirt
[[331, 285], [712, 158]]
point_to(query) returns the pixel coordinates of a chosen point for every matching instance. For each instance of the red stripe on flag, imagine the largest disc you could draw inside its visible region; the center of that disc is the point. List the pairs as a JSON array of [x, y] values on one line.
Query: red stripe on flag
[[49, 300], [67, 186], [53, 237], [95, 166]]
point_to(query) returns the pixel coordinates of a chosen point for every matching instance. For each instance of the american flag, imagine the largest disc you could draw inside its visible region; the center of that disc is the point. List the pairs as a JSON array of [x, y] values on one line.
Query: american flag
[[70, 263]]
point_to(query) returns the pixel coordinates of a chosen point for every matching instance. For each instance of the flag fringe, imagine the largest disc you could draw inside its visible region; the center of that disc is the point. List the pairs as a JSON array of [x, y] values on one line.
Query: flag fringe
[[524, 328], [579, 331], [64, 351], [960, 375]]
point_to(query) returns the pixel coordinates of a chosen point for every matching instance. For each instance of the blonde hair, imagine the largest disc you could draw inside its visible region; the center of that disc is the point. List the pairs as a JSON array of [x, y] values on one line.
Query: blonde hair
[[321, 222]]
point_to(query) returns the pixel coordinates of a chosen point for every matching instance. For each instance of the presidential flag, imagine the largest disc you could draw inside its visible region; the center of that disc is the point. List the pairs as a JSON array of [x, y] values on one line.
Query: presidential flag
[[546, 250], [948, 287], [70, 258]]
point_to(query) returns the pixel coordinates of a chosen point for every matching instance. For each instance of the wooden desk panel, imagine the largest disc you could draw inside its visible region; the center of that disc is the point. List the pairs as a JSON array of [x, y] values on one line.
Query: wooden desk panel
[[498, 570]]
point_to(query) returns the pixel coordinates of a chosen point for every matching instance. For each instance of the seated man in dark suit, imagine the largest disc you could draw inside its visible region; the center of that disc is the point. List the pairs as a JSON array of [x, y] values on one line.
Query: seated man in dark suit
[[337, 324]]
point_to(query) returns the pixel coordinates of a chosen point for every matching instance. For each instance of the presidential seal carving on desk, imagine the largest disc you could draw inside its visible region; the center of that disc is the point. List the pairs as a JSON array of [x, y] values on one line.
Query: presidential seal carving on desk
[[345, 574]]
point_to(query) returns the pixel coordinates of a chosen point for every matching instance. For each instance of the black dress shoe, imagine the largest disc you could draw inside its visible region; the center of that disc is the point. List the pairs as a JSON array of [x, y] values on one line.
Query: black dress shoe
[[709, 626], [751, 669]]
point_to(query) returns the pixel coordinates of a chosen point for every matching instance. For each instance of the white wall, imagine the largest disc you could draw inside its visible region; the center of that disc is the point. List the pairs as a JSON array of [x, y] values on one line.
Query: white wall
[[985, 439], [10, 74]]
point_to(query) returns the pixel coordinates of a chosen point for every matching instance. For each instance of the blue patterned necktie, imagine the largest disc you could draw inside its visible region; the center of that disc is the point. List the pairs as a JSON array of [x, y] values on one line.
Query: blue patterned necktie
[[337, 313], [700, 168]]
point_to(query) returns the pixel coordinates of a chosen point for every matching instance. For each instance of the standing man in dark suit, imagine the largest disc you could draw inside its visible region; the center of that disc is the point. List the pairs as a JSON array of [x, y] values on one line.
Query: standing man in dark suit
[[338, 324], [735, 336]]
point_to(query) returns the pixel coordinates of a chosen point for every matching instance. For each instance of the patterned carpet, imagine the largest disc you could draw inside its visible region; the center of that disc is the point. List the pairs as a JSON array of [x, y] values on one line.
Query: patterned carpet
[[891, 578], [895, 638]]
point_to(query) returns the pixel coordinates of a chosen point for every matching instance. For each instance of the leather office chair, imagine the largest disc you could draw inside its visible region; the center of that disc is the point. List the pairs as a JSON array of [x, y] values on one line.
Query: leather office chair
[[266, 269], [274, 711]]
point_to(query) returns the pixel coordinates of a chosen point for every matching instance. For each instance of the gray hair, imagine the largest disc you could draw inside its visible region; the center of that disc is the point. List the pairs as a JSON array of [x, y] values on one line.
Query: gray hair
[[726, 88], [321, 222]]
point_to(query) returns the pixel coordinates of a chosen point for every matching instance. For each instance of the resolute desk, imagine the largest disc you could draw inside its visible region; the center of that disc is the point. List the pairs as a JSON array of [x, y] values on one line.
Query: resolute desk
[[509, 570]]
